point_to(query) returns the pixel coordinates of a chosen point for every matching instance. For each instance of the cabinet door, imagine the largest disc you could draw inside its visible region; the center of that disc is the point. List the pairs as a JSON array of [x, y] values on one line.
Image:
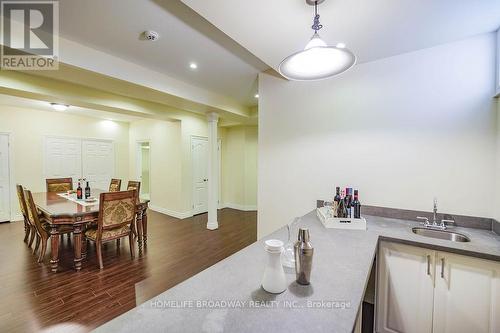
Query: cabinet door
[[405, 279], [467, 295]]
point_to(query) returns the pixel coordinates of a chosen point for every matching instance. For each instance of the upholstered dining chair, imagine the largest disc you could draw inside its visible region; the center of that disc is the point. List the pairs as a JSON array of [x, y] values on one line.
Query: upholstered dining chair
[[59, 184], [134, 185], [116, 215], [115, 185], [28, 228], [41, 229]]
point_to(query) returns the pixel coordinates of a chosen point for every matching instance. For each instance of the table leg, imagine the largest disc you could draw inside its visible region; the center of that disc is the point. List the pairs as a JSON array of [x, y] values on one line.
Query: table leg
[[145, 226], [77, 243], [54, 248], [139, 230]]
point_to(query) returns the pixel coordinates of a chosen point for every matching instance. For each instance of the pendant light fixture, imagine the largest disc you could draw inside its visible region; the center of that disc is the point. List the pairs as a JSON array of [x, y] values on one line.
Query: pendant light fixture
[[318, 60]]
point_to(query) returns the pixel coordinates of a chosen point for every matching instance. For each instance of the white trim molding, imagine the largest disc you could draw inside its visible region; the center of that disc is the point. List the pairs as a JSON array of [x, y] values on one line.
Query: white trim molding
[[169, 212], [245, 208]]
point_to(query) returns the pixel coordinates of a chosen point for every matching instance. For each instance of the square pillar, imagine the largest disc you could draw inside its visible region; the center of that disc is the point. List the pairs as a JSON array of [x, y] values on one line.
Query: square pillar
[[213, 171]]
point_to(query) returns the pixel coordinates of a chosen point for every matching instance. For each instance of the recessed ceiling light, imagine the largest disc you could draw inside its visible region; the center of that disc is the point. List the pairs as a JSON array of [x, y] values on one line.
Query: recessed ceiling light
[[193, 65], [59, 107], [256, 96]]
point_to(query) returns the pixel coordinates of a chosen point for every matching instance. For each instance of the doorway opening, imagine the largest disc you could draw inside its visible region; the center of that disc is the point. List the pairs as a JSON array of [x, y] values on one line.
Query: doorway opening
[[144, 168]]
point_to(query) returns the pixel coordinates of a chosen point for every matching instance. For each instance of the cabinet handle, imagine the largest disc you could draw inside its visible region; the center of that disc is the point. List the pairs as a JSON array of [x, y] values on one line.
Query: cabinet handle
[[442, 268], [428, 265]]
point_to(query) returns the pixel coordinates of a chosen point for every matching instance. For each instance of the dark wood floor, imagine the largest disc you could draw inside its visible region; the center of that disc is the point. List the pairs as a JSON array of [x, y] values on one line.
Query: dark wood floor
[[33, 299]]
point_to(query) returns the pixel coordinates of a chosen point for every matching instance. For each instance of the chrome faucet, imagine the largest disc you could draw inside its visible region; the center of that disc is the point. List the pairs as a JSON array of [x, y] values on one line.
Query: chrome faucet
[[435, 210], [435, 224]]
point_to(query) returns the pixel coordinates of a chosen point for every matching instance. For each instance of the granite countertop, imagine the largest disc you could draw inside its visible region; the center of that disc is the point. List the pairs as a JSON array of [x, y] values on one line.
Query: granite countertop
[[227, 296]]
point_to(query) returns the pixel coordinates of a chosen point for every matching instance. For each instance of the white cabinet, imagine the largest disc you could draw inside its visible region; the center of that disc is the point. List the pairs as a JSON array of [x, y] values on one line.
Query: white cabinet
[[405, 288], [420, 290], [466, 295]]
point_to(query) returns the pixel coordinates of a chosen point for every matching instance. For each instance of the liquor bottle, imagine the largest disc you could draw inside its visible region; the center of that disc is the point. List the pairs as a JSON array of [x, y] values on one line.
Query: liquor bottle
[[356, 205], [79, 193], [87, 191]]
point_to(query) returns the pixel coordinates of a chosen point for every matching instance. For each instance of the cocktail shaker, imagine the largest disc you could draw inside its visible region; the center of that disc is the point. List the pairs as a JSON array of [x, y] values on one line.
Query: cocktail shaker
[[303, 257]]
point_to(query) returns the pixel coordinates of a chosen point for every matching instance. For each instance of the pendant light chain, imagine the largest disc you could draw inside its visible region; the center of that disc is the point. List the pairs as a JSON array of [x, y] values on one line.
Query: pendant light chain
[[316, 24]]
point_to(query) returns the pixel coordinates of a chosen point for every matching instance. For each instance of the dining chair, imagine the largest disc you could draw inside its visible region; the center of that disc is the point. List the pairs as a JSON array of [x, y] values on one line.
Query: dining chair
[[134, 185], [41, 229], [59, 184], [115, 185], [28, 228], [116, 215]]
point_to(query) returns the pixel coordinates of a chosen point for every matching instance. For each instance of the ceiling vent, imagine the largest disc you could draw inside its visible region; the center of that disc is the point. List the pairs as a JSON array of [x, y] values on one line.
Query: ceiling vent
[[150, 35]]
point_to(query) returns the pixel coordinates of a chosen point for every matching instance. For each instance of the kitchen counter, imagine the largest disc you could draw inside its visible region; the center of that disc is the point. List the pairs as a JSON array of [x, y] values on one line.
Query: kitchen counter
[[227, 296]]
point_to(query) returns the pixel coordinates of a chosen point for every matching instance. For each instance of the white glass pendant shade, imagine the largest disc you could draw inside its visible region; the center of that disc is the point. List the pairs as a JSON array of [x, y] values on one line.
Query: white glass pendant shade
[[317, 61]]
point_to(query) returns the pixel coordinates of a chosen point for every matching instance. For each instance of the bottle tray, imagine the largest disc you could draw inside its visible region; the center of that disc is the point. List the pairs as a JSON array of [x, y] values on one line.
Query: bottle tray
[[340, 222]]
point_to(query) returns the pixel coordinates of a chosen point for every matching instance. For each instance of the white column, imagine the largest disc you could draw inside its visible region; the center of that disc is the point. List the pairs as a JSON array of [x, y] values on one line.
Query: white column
[[213, 171]]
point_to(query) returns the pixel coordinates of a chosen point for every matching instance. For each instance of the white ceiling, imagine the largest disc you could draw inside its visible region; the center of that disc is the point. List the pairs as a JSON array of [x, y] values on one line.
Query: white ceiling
[[373, 29], [114, 27], [7, 100]]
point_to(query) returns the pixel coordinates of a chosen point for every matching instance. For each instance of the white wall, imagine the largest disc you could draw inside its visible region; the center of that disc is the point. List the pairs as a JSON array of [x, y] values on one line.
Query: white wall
[[239, 168], [171, 163], [402, 129], [28, 127], [166, 164]]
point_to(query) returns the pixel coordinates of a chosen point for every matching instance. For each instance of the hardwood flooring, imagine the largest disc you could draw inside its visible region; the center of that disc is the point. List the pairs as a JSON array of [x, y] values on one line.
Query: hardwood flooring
[[32, 298]]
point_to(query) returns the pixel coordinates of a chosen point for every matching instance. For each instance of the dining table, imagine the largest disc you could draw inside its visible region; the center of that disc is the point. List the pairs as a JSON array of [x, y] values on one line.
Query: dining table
[[62, 210]]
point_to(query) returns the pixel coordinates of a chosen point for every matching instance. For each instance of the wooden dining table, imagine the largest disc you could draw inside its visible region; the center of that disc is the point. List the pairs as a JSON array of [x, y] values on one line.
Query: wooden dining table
[[58, 211]]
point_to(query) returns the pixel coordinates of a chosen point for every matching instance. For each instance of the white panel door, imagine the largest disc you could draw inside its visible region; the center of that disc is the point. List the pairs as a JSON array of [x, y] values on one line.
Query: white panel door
[[63, 158], [405, 289], [467, 295], [98, 163], [4, 179], [199, 154]]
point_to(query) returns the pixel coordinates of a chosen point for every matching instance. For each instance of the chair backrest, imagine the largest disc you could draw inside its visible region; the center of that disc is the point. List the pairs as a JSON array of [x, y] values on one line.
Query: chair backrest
[[134, 185], [33, 217], [22, 201], [59, 184], [115, 185], [115, 210]]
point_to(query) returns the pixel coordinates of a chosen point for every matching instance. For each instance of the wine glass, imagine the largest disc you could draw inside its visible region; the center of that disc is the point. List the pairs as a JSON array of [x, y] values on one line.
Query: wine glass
[[288, 255]]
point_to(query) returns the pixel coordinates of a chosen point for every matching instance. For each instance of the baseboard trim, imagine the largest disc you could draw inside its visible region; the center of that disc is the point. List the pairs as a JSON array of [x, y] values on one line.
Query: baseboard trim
[[245, 208], [16, 217], [169, 212]]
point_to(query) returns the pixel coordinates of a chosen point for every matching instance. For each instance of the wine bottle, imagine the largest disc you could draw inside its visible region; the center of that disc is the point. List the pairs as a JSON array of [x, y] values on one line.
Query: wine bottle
[[336, 201], [341, 210], [356, 205], [79, 193], [348, 201], [87, 191]]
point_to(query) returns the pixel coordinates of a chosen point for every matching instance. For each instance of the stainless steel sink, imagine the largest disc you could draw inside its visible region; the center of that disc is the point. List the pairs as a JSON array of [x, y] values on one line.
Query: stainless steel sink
[[441, 234]]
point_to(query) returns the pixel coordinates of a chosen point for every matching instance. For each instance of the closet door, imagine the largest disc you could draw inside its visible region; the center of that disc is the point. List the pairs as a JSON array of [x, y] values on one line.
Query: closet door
[[98, 163], [63, 158], [4, 179]]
